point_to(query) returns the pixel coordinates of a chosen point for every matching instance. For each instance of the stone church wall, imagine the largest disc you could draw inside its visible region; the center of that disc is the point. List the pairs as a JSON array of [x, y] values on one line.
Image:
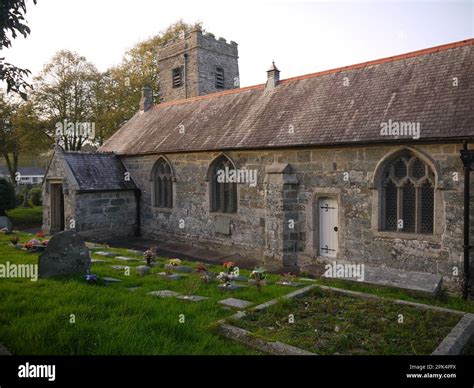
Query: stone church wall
[[283, 195]]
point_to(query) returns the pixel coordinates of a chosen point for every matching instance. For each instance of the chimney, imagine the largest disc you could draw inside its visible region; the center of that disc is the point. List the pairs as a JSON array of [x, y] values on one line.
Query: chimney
[[273, 76], [146, 102]]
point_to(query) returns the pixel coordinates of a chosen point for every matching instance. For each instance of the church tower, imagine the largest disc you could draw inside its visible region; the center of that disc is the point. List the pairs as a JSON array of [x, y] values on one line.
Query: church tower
[[195, 64]]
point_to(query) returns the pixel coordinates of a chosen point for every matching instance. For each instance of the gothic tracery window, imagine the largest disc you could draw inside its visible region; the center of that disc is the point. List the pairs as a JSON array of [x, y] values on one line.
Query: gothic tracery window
[[407, 195], [223, 193], [162, 183]]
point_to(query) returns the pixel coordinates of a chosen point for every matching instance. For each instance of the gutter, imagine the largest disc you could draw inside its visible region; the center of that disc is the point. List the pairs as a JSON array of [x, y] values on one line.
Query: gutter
[[394, 142]]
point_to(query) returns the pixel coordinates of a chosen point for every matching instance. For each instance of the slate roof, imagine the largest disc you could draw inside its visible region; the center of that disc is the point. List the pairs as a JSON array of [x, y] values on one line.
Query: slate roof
[[414, 87], [96, 172], [24, 171]]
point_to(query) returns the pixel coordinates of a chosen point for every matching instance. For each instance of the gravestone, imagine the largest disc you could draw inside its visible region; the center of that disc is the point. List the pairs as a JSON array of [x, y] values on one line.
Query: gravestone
[[178, 268], [235, 303], [192, 298], [66, 254], [289, 284], [231, 287], [109, 280], [172, 276], [143, 270], [105, 254], [5, 223], [164, 294], [124, 258]]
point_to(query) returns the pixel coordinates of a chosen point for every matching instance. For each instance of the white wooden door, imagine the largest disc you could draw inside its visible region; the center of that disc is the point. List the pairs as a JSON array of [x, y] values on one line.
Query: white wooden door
[[328, 227]]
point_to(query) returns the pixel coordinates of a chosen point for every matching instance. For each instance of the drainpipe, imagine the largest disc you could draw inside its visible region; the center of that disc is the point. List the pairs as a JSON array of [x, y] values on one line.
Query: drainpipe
[[138, 195], [467, 157]]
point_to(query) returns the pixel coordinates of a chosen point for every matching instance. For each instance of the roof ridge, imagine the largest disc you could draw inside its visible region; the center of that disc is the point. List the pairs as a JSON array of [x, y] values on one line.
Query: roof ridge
[[411, 54]]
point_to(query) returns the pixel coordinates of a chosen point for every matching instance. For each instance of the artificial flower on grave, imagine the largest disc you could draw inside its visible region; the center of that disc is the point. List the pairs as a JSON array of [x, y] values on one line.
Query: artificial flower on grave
[[149, 256], [259, 274], [174, 262]]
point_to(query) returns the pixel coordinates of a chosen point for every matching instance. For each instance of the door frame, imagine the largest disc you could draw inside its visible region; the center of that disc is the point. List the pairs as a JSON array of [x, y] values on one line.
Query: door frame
[[312, 222], [53, 207], [335, 247]]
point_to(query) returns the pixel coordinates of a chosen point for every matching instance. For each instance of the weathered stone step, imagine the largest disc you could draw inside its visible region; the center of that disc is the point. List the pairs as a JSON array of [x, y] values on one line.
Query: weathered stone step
[[414, 281]]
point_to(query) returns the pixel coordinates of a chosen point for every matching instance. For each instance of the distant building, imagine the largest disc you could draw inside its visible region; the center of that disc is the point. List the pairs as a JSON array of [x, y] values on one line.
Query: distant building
[[28, 175]]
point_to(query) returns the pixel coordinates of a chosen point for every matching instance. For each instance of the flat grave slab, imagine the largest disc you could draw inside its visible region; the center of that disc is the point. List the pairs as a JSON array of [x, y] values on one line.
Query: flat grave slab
[[192, 298], [289, 284], [118, 266], [111, 280], [179, 268], [173, 276], [132, 289], [408, 280], [97, 261], [235, 303], [232, 287], [105, 254], [164, 294], [124, 258], [135, 252]]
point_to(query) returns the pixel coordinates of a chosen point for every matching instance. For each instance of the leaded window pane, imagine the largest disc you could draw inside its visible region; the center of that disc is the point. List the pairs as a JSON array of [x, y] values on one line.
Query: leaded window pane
[[427, 207], [409, 207], [390, 206]]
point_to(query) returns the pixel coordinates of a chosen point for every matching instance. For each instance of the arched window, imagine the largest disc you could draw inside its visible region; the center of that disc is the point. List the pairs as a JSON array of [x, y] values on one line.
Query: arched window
[[162, 184], [407, 193], [223, 189]]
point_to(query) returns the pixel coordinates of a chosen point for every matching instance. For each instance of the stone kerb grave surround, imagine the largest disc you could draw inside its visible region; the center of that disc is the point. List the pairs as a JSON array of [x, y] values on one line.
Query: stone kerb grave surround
[[453, 344]]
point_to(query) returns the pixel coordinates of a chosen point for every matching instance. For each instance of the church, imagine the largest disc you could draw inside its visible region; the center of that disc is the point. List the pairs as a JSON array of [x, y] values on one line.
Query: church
[[359, 164]]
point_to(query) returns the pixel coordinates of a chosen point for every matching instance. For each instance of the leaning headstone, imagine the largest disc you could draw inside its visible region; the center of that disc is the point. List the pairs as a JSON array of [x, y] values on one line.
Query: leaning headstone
[[6, 224], [66, 254]]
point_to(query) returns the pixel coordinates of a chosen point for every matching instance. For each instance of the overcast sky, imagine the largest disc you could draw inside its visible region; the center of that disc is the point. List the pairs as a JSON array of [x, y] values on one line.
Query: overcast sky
[[302, 37]]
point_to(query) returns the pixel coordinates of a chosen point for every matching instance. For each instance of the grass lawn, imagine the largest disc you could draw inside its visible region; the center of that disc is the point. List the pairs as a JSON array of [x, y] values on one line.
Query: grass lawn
[[35, 316], [110, 319], [327, 322], [26, 217]]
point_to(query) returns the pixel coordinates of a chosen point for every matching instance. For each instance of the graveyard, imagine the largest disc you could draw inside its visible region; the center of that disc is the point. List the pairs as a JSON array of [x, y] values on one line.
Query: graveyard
[[130, 302]]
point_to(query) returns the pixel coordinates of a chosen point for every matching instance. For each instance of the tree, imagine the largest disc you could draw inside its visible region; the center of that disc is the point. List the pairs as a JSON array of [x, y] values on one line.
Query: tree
[[21, 131], [7, 197], [12, 22], [65, 94], [119, 88]]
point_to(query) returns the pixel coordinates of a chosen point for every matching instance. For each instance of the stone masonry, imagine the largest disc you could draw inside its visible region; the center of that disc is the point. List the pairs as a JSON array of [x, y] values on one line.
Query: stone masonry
[[288, 185], [197, 55]]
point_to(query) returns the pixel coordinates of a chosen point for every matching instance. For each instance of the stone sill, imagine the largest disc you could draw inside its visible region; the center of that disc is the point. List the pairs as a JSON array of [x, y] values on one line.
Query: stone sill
[[407, 236], [163, 209]]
